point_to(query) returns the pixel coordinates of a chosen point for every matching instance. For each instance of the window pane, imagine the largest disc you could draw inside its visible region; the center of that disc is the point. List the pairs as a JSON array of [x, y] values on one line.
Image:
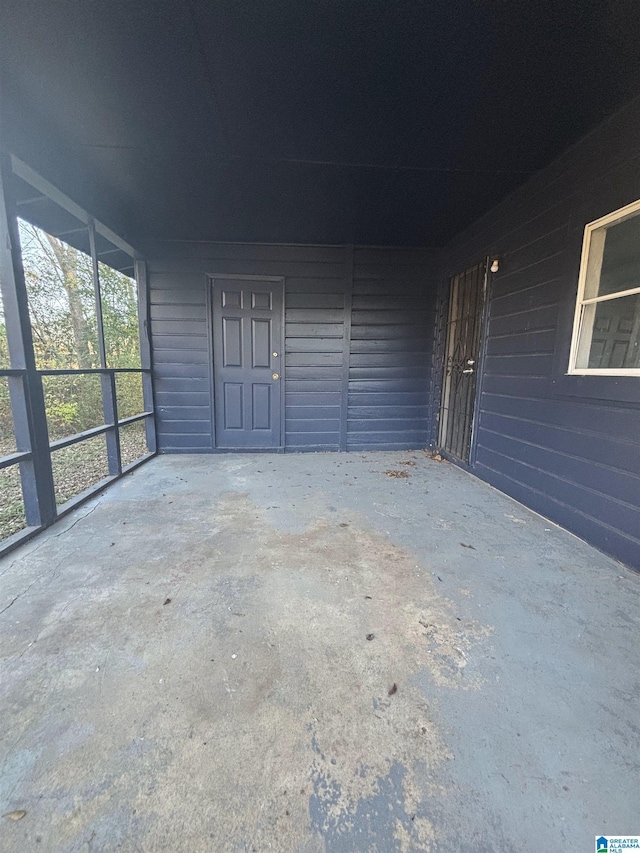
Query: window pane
[[614, 327], [119, 296], [133, 442], [59, 282], [79, 466], [73, 404], [129, 394], [621, 257], [12, 516], [7, 435]]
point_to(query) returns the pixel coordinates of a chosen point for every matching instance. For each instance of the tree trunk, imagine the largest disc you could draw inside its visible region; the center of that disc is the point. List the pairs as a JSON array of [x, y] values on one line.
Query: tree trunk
[[66, 258]]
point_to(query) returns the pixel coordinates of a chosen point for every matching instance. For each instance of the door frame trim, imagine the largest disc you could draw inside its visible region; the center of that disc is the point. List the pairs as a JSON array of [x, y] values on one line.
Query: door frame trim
[[211, 278], [482, 352]]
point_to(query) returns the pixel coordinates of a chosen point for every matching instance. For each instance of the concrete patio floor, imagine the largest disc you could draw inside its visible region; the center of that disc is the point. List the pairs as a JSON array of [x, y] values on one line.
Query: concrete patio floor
[[187, 665]]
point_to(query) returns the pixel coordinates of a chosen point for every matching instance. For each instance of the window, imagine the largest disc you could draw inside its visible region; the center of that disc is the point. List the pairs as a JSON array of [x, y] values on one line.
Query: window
[[606, 331]]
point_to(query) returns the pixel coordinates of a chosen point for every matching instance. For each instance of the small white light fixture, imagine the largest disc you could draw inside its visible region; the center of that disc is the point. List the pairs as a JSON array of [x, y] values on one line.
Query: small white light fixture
[[495, 265]]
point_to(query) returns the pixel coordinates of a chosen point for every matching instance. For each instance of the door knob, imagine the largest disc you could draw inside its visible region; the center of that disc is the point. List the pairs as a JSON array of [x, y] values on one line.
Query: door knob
[[276, 376], [468, 370]]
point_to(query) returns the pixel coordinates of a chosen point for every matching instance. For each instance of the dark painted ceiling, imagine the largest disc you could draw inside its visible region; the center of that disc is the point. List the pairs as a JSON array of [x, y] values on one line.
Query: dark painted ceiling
[[324, 121]]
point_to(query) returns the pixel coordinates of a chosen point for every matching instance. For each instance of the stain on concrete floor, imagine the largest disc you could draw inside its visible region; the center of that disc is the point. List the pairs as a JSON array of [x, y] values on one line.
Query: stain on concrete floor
[[187, 668]]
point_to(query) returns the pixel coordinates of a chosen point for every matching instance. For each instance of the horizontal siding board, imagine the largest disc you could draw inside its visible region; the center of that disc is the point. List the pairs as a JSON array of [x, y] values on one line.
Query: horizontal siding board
[[314, 359], [178, 427], [313, 398], [328, 440], [608, 422], [402, 334], [618, 484], [314, 373], [180, 371], [384, 399], [315, 315], [315, 385], [620, 459], [183, 285], [314, 285], [196, 341], [540, 272], [361, 413], [516, 364], [166, 383], [410, 438], [517, 343], [516, 386], [388, 317], [313, 413], [590, 501], [314, 345], [394, 345], [298, 425], [171, 442], [572, 457], [396, 385], [392, 338], [182, 398], [390, 359], [393, 256], [314, 300], [529, 318], [537, 294], [178, 412], [398, 276], [391, 347], [384, 302], [194, 328], [392, 286], [414, 372], [314, 330], [610, 539], [178, 357], [395, 425]]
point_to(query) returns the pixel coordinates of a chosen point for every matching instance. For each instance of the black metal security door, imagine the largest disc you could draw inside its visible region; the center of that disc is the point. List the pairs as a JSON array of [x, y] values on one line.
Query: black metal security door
[[466, 302], [248, 361]]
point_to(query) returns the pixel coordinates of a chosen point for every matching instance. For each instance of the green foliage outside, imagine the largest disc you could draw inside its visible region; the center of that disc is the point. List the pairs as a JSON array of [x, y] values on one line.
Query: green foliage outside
[[64, 327]]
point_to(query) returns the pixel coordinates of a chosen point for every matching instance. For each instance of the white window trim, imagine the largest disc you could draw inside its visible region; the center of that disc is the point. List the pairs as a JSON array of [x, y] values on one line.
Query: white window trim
[[616, 216]]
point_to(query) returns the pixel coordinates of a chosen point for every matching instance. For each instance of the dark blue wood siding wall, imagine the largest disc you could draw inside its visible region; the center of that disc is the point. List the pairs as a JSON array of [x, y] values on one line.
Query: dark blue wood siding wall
[[392, 322], [358, 340], [567, 446]]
